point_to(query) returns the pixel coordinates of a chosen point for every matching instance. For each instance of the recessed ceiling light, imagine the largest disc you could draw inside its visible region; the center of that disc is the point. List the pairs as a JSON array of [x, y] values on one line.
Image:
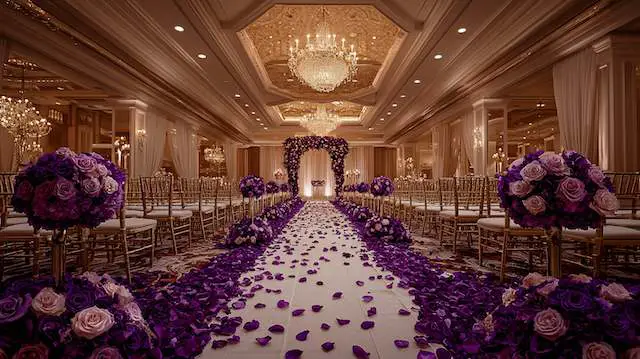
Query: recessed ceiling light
[[266, 128], [462, 30], [370, 128], [394, 105], [437, 56], [416, 81], [253, 112], [271, 36], [258, 119], [403, 96], [236, 95], [388, 113], [202, 56], [354, 80], [178, 28], [373, 37], [246, 105], [60, 88], [381, 118], [57, 103], [289, 80]]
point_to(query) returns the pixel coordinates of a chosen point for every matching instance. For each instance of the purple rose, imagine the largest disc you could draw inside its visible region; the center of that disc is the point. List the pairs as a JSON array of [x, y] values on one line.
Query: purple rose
[[86, 164], [102, 170], [65, 189], [615, 293], [32, 351], [105, 353], [13, 308], [80, 298], [92, 322], [571, 190], [91, 186], [598, 350], [137, 339], [533, 172], [65, 152], [554, 164], [596, 175], [549, 324], [535, 205], [24, 191], [605, 202], [520, 188], [52, 328]]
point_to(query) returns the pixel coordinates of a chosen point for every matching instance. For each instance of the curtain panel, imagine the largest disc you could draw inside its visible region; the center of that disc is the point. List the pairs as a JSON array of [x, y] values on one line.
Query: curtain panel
[[184, 150], [574, 86], [361, 158], [148, 156], [467, 134], [271, 158], [231, 159], [315, 165]]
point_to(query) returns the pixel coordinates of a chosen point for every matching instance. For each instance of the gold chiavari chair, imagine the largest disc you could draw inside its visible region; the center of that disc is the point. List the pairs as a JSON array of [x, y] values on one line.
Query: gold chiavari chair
[[442, 200], [498, 233], [627, 189], [124, 235], [21, 240], [158, 202], [192, 200], [425, 209], [468, 207], [210, 197], [134, 207]]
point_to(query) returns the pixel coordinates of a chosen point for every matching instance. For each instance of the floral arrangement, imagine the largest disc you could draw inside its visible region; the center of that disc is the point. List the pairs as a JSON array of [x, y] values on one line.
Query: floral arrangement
[[554, 318], [363, 187], [547, 190], [252, 186], [294, 147], [249, 231], [64, 189], [349, 188], [361, 214], [89, 316], [272, 187], [386, 228], [284, 188], [272, 213], [381, 186]]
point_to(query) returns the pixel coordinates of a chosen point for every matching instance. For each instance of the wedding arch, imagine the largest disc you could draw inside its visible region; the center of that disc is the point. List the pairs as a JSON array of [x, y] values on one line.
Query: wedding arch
[[295, 147]]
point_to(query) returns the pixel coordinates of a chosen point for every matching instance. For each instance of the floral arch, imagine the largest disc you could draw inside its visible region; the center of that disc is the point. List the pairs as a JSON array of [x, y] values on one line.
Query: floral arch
[[295, 147]]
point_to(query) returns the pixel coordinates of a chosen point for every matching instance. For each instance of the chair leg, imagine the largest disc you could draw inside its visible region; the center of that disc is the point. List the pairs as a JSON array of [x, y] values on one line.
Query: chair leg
[[204, 232], [504, 256], [190, 234], [153, 246], [480, 249], [36, 257], [2, 245], [127, 262], [173, 237], [455, 236]]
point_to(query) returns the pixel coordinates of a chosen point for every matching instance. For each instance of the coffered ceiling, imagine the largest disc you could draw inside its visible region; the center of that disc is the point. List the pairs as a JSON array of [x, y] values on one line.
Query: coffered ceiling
[[226, 70]]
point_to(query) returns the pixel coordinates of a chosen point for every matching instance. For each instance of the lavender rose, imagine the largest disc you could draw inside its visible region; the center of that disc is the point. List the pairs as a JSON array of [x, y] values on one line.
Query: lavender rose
[[554, 164], [571, 190], [596, 175], [535, 205], [605, 202], [533, 280], [549, 324], [133, 311], [580, 278], [633, 353], [124, 296], [516, 163], [65, 152], [65, 190], [85, 163], [102, 170], [32, 351], [509, 296], [615, 292], [533, 172], [24, 191], [48, 302], [520, 188], [548, 288], [91, 186], [92, 322], [13, 308], [110, 185], [105, 353], [598, 350]]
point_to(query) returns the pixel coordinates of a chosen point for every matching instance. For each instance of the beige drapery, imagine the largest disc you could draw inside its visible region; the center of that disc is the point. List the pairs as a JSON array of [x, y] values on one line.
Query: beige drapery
[[271, 158], [315, 165], [184, 150], [149, 154], [361, 158]]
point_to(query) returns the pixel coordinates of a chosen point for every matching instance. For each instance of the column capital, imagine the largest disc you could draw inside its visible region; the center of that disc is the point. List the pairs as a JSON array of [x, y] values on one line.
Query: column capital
[[623, 46], [491, 103], [129, 104]]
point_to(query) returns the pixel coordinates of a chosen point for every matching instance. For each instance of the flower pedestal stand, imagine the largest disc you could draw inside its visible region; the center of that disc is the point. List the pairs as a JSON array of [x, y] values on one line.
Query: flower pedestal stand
[[58, 250], [554, 239]]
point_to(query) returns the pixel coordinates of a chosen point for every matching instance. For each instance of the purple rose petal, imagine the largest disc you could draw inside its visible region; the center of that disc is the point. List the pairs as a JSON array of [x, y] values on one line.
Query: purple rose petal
[[316, 308], [297, 312], [328, 346], [302, 336], [252, 325], [337, 295], [367, 298], [442, 353], [277, 328], [401, 344], [218, 344], [359, 352], [367, 324], [238, 305], [293, 354], [343, 321], [372, 311], [421, 341], [260, 305], [282, 304], [325, 326], [426, 355], [359, 283], [404, 312], [234, 340], [264, 340]]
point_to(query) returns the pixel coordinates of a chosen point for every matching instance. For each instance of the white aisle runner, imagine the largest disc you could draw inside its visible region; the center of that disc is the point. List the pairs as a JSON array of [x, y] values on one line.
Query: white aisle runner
[[322, 238]]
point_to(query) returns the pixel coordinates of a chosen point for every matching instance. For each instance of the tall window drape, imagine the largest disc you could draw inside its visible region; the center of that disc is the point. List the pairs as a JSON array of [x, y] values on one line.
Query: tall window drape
[[361, 158], [467, 137], [315, 165], [385, 162], [574, 86], [271, 158], [231, 159], [184, 150], [149, 154]]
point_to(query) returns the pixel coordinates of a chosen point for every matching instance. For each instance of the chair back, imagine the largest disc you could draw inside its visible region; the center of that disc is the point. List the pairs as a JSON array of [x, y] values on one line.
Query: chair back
[[7, 181], [627, 189], [446, 191], [133, 194], [491, 194], [469, 192], [157, 192], [191, 192]]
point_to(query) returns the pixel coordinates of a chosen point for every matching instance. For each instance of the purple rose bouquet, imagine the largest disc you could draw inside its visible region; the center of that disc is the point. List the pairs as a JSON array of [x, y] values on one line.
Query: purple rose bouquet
[[273, 213], [85, 316], [64, 189], [252, 186], [250, 232], [382, 186], [361, 214], [362, 187], [386, 228], [556, 190], [554, 318], [272, 187]]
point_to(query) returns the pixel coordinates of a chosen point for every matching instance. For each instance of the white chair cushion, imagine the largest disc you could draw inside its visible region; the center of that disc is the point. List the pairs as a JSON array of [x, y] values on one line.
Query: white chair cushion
[[497, 223], [131, 213], [16, 220], [610, 232], [160, 213], [20, 229], [461, 213], [136, 207], [624, 222], [13, 214], [205, 209], [130, 223]]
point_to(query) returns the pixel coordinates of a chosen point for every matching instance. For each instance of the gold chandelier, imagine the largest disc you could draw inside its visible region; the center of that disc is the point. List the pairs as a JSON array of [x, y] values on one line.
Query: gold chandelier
[[321, 63], [321, 122], [25, 124]]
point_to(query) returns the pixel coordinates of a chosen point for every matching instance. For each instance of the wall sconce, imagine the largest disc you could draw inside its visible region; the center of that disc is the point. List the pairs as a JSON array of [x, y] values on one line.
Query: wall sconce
[[477, 138], [141, 136]]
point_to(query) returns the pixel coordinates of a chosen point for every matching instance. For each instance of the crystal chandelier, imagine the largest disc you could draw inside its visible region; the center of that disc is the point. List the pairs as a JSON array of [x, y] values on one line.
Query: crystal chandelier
[[321, 122], [321, 63], [25, 124], [215, 156]]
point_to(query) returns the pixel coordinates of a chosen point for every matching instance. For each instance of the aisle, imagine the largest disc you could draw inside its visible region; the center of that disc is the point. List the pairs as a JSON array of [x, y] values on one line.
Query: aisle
[[317, 256]]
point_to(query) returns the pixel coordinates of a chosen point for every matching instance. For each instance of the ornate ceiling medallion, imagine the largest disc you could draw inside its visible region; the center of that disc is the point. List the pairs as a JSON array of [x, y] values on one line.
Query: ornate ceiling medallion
[[321, 63]]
